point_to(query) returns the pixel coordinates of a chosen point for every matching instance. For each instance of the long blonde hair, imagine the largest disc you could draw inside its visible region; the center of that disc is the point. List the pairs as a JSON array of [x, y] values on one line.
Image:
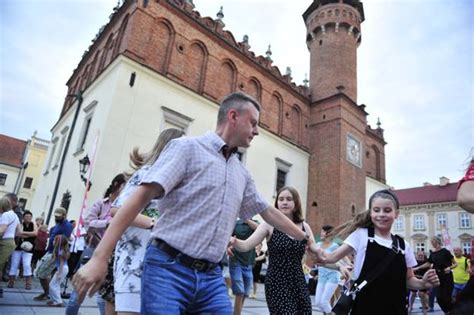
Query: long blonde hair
[[61, 243], [363, 219], [137, 159]]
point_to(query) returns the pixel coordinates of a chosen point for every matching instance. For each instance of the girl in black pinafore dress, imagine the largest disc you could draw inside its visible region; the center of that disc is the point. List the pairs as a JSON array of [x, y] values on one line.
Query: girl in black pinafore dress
[[371, 240]]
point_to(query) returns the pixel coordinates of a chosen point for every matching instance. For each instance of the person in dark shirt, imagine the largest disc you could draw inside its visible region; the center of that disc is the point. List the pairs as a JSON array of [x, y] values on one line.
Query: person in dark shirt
[[240, 265], [443, 262], [419, 273]]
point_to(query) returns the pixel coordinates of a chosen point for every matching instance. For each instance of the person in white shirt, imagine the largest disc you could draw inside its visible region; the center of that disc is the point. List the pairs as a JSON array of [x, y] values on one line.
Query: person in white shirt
[[9, 228], [371, 240]]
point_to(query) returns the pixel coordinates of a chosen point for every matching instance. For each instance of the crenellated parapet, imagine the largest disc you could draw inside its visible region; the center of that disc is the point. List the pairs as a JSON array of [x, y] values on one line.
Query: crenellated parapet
[[333, 17], [172, 39], [216, 26]]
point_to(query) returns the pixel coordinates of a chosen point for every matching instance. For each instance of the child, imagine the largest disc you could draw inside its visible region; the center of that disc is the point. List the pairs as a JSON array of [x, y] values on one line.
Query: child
[[328, 279], [130, 249], [60, 255], [371, 240], [285, 286]]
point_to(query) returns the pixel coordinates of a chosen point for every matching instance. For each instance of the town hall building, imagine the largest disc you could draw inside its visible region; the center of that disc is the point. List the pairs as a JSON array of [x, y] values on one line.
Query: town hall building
[[159, 64]]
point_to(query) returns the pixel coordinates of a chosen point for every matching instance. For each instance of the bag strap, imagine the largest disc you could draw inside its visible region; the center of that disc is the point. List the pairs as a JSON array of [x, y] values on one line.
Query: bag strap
[[360, 283]]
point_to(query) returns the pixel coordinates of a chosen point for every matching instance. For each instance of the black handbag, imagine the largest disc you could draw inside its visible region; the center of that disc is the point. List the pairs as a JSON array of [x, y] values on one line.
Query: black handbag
[[343, 305]]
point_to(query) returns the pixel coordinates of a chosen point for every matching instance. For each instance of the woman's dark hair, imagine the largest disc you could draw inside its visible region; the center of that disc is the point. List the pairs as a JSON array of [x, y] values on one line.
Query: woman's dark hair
[[115, 185], [298, 213], [27, 212], [327, 228]]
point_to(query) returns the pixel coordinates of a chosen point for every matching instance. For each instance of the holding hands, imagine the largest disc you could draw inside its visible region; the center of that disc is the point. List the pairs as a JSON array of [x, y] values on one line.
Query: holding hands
[[430, 279]]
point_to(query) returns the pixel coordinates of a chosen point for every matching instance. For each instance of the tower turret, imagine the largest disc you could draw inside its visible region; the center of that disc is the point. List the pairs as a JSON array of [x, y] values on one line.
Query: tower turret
[[333, 35]]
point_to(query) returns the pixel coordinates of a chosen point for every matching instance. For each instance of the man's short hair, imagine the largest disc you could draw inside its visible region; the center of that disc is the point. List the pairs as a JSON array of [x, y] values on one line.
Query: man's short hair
[[237, 101]]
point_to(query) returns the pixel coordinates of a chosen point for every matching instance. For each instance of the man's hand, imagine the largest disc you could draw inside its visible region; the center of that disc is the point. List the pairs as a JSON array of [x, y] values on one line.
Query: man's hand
[[230, 247], [90, 277]]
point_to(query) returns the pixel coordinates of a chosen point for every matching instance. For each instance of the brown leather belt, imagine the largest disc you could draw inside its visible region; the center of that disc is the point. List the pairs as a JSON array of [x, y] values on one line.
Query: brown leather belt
[[193, 263]]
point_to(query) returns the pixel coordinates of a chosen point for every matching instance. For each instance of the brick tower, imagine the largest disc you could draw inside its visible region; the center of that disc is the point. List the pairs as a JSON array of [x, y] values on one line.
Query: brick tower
[[336, 189]]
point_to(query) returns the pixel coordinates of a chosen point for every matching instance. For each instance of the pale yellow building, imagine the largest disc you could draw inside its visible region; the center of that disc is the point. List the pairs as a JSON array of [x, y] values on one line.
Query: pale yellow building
[[21, 165]]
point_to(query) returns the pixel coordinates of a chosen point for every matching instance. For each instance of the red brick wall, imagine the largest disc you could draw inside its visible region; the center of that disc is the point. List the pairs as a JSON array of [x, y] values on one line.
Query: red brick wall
[[333, 37], [335, 185]]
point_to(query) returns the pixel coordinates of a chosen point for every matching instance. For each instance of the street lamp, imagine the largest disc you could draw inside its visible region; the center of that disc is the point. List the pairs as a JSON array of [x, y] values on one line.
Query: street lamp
[[84, 164]]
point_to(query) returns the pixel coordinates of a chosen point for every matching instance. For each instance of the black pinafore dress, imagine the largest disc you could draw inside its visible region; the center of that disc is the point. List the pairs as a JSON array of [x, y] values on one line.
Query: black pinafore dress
[[387, 294]]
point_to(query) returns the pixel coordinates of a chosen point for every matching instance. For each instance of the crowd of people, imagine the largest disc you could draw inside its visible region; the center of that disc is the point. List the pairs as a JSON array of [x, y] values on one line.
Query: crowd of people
[[158, 239]]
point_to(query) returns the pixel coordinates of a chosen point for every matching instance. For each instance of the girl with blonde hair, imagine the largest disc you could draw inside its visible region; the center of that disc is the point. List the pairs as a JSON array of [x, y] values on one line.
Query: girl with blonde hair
[[130, 249], [60, 256]]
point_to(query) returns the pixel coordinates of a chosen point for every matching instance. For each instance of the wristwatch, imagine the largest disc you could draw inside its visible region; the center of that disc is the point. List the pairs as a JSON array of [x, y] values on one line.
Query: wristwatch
[[152, 224], [305, 239]]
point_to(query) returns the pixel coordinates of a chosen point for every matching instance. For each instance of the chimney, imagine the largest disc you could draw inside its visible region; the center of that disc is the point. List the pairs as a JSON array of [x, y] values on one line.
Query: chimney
[[443, 181], [427, 184]]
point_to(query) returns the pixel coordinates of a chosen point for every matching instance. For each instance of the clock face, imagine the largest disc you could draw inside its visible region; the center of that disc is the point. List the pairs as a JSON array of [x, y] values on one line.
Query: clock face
[[353, 151]]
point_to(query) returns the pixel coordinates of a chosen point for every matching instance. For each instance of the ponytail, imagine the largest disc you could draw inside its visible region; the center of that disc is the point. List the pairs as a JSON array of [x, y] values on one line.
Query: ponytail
[[361, 220], [115, 185]]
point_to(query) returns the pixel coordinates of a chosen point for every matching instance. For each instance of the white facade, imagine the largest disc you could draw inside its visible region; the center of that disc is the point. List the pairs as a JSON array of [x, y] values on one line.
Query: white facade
[[418, 223], [372, 186], [125, 116], [9, 175]]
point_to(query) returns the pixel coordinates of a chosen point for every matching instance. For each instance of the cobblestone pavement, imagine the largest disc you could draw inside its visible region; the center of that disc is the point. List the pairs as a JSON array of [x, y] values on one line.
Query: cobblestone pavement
[[18, 301]]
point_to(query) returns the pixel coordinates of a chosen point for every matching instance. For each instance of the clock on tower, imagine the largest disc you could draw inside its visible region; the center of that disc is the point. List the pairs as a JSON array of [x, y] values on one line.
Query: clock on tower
[[354, 151]]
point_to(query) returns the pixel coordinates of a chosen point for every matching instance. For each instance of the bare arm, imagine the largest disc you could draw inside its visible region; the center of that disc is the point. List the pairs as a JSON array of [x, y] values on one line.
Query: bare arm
[[256, 238], [90, 277], [430, 280], [341, 252], [19, 230], [141, 221], [252, 224], [466, 196], [3, 228], [277, 219], [426, 265], [32, 233]]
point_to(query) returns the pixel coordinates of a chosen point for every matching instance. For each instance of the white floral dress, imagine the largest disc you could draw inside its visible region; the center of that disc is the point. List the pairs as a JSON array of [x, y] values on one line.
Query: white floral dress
[[131, 248]]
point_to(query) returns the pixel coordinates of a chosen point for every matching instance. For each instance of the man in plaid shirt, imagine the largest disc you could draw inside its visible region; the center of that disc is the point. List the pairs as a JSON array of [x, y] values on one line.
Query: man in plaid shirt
[[203, 188]]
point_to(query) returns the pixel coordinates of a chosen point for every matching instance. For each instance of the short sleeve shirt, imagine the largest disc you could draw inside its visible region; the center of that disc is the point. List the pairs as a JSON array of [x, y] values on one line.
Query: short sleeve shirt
[[10, 219], [204, 195], [64, 228], [441, 259], [358, 241], [243, 231]]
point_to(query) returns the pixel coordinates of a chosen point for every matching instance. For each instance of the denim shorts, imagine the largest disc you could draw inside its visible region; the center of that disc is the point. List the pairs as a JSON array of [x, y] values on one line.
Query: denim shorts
[[242, 278]]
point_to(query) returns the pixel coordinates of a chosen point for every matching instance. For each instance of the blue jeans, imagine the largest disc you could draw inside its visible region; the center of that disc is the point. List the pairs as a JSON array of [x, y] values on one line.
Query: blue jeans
[[168, 287], [242, 278], [73, 305]]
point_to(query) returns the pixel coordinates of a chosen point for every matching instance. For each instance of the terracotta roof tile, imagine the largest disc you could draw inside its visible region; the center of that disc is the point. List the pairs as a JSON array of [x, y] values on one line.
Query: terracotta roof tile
[[11, 150], [427, 194]]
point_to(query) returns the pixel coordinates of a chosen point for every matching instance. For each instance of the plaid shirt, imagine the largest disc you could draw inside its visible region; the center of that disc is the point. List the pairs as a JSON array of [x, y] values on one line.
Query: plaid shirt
[[204, 195]]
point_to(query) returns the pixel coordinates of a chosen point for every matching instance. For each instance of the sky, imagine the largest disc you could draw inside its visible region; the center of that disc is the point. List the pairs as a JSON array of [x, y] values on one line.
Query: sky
[[415, 69]]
